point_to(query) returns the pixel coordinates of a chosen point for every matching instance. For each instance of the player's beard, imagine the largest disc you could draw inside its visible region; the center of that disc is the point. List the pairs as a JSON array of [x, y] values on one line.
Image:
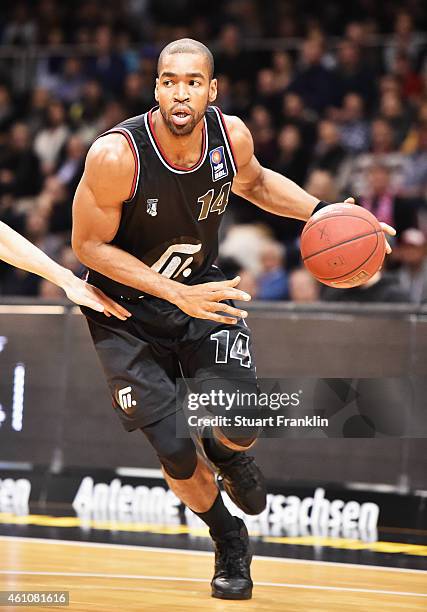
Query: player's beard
[[186, 129]]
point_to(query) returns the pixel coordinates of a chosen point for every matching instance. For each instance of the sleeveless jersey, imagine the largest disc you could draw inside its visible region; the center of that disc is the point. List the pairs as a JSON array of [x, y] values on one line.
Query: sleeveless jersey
[[172, 217]]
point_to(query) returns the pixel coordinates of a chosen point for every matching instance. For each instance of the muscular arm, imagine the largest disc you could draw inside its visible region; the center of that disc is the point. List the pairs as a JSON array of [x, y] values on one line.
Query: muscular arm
[[265, 188], [97, 207]]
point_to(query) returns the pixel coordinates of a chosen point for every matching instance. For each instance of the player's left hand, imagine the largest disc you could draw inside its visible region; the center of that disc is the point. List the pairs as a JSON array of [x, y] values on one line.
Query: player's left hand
[[387, 229], [80, 292]]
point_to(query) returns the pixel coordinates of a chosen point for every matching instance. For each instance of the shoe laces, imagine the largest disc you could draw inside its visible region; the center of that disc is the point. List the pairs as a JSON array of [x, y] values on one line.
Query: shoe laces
[[242, 463], [231, 552]]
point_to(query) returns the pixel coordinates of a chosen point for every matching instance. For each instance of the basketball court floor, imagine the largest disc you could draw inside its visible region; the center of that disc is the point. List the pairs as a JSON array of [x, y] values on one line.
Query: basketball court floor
[[106, 566]]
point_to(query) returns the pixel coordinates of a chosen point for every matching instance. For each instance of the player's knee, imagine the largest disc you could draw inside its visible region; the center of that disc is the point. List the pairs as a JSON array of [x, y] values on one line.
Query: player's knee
[[180, 458], [244, 437], [177, 455]]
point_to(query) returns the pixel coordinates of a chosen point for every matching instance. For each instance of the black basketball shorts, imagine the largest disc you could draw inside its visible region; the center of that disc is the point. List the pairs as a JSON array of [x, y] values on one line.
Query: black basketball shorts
[[143, 356]]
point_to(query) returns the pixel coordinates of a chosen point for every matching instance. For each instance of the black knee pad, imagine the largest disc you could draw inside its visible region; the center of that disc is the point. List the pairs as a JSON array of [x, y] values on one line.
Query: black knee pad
[[180, 459], [177, 455]]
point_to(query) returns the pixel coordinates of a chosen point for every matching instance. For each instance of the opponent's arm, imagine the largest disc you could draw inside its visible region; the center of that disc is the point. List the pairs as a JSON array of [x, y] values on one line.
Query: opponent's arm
[[267, 189], [18, 251], [105, 185]]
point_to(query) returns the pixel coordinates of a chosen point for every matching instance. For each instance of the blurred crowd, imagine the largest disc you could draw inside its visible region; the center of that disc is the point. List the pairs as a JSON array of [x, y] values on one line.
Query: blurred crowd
[[335, 96]]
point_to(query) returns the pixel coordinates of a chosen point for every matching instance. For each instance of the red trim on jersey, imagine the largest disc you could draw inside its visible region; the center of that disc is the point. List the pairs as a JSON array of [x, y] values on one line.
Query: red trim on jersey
[[163, 154], [228, 138], [135, 157]]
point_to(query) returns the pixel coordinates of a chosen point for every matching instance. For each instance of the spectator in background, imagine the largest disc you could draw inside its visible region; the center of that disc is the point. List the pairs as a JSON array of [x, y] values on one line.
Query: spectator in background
[[412, 139], [389, 83], [294, 113], [107, 66], [69, 84], [244, 243], [353, 125], [415, 172], [398, 117], [71, 167], [86, 113], [36, 112], [50, 65], [292, 159], [282, 70], [128, 54], [135, 99], [353, 76], [385, 204], [19, 166], [303, 287], [382, 137], [113, 114], [315, 84], [267, 95], [230, 58], [21, 30], [411, 82], [54, 202], [7, 111], [261, 126], [225, 96], [413, 272], [272, 282], [405, 40], [322, 185], [329, 153], [50, 140]]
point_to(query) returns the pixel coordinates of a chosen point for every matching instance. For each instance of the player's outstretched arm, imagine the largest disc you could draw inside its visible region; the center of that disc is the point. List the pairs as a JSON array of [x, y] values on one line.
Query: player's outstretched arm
[[267, 189], [106, 183], [18, 251]]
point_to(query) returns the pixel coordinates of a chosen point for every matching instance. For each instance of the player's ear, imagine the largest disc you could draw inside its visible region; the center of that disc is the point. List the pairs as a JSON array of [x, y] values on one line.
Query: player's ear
[[213, 90], [156, 94]]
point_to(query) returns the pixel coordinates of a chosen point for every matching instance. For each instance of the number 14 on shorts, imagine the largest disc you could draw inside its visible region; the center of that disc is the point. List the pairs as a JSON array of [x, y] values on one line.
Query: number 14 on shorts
[[239, 348]]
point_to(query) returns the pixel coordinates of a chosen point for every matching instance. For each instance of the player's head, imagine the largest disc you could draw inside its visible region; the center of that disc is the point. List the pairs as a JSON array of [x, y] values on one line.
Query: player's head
[[185, 85]]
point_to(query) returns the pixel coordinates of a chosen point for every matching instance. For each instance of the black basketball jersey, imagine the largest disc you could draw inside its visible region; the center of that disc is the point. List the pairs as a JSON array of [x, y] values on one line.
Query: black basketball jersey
[[172, 217]]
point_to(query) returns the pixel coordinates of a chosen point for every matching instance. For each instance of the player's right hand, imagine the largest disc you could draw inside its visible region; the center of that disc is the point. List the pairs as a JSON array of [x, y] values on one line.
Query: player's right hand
[[205, 301]]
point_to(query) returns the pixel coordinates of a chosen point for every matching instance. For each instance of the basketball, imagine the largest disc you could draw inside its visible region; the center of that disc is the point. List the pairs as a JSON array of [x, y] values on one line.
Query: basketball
[[343, 245]]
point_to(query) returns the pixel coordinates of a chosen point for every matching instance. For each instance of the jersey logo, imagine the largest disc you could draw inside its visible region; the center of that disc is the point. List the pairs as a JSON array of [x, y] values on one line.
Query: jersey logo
[[218, 163], [152, 206], [172, 263], [125, 400]]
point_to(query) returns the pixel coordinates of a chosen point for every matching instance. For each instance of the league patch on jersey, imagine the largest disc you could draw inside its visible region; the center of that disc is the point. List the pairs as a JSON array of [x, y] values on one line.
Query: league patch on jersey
[[152, 206], [218, 163]]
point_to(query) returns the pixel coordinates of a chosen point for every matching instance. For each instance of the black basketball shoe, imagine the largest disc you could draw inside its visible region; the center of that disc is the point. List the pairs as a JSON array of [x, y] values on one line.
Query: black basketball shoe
[[233, 556], [241, 477]]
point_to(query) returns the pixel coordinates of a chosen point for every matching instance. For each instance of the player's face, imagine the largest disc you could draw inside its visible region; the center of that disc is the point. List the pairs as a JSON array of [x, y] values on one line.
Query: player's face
[[183, 91]]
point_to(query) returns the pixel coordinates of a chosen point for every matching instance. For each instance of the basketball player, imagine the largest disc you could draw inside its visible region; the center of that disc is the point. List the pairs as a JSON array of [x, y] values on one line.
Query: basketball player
[[18, 251], [146, 219]]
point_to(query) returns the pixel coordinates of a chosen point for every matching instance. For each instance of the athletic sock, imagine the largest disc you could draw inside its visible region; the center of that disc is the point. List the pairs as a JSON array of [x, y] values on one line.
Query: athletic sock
[[219, 520], [215, 450]]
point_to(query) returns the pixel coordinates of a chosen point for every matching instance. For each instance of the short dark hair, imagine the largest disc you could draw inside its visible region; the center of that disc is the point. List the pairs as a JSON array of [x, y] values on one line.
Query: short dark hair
[[187, 45]]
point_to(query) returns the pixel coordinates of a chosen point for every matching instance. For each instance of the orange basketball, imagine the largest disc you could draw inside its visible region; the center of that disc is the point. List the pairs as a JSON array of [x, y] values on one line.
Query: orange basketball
[[343, 245]]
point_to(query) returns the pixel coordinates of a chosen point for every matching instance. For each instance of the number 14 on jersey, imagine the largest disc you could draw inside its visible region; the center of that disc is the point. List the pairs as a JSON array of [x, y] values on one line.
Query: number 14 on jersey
[[218, 205]]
